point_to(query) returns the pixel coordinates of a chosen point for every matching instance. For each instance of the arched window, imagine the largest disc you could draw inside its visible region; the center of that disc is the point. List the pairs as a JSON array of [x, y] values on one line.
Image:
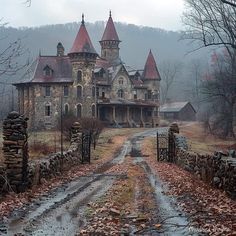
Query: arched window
[[66, 109], [93, 92], [47, 70], [79, 91], [79, 76], [47, 109], [79, 110], [93, 110], [120, 93]]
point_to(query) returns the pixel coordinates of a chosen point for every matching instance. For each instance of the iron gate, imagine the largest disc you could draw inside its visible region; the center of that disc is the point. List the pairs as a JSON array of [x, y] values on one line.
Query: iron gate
[[165, 146], [85, 148]]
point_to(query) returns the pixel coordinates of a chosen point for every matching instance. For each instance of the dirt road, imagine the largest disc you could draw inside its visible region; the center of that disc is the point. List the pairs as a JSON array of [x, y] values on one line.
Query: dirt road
[[64, 211]]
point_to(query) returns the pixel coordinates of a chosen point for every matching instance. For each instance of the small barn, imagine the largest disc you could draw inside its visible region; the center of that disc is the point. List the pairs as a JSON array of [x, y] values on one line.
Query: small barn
[[178, 111]]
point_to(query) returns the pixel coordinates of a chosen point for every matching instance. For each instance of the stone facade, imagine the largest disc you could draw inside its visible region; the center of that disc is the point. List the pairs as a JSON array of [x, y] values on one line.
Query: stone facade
[[84, 84]]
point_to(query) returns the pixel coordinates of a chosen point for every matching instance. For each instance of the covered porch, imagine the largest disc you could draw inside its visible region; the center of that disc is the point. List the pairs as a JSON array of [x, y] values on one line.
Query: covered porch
[[127, 115]]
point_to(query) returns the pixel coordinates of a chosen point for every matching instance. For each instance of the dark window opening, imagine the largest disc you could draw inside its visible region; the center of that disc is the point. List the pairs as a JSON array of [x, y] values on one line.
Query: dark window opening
[[66, 91], [79, 76], [79, 111], [149, 94], [103, 94], [93, 92], [47, 110], [79, 92], [66, 109], [120, 93], [93, 110], [47, 91], [135, 96], [97, 92]]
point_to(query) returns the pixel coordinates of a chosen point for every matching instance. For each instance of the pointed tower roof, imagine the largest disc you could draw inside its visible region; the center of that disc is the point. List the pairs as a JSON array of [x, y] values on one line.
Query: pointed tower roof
[[150, 69], [82, 41], [110, 31]]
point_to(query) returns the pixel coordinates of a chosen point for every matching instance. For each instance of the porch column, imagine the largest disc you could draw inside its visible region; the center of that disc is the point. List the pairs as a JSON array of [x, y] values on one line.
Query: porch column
[[98, 112], [114, 113], [142, 123], [128, 120], [153, 119]]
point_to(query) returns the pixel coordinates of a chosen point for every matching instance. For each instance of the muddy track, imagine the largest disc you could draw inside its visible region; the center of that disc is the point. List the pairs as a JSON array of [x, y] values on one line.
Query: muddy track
[[63, 211]]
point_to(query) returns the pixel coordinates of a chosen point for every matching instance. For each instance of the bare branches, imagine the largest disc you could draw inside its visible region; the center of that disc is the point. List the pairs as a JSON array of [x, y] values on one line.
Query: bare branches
[[231, 3], [210, 23]]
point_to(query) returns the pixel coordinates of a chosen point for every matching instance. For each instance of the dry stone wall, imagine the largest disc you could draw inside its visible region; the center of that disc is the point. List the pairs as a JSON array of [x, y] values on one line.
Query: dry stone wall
[[17, 173], [15, 151], [218, 169]]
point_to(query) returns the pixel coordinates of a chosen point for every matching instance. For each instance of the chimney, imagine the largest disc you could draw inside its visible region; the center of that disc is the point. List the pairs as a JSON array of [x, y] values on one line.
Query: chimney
[[60, 49]]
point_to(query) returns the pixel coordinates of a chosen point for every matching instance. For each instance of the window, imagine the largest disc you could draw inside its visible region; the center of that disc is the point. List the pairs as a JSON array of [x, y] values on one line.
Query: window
[[97, 92], [103, 94], [149, 94], [47, 110], [93, 92], [47, 71], [47, 91], [66, 109], [66, 91], [79, 92], [135, 94], [121, 81], [79, 76], [93, 110], [79, 110], [120, 93]]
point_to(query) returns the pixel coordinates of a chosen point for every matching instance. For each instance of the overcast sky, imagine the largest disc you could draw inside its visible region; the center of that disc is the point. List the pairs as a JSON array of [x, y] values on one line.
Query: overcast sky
[[164, 14]]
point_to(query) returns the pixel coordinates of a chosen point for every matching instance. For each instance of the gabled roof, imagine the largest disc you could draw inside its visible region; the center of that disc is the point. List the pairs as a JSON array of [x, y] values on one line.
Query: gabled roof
[[110, 31], [150, 68], [61, 67], [82, 41], [174, 106]]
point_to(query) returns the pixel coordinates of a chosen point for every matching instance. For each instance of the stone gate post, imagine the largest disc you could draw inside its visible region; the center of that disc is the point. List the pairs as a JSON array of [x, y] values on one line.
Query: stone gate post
[[15, 151]]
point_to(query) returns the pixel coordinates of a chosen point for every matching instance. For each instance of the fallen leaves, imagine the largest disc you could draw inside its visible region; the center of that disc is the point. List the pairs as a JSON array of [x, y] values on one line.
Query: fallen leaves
[[211, 209]]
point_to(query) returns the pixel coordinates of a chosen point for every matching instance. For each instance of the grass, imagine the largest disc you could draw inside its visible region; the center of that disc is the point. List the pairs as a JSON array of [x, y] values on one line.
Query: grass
[[201, 142], [42, 143]]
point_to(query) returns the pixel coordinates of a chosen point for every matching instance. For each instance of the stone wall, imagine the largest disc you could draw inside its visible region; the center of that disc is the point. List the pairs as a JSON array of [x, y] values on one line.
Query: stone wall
[[54, 164], [15, 151], [20, 173], [218, 169]]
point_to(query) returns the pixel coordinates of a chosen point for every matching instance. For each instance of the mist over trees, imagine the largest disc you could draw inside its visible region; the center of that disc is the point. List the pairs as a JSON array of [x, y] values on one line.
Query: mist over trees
[[212, 23]]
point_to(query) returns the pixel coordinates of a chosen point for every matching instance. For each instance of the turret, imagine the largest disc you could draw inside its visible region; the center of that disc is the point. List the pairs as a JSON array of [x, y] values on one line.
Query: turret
[[83, 57], [110, 42]]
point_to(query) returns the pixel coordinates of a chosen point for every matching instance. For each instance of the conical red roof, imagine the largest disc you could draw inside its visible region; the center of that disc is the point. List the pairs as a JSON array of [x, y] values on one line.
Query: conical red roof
[[82, 41], [110, 31], [150, 69]]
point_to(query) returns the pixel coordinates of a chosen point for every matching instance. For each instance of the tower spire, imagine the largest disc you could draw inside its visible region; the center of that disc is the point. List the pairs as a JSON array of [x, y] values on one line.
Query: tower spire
[[110, 13], [82, 22]]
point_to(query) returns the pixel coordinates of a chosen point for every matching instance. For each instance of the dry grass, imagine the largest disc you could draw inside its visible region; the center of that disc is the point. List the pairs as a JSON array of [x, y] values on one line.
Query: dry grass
[[42, 143], [201, 142]]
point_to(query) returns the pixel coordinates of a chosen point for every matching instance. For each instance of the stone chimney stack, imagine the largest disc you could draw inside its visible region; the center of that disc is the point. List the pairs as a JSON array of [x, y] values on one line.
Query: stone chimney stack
[[60, 49]]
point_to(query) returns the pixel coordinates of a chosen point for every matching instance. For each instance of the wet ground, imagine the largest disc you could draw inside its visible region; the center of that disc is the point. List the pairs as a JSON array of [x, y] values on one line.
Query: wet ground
[[63, 211]]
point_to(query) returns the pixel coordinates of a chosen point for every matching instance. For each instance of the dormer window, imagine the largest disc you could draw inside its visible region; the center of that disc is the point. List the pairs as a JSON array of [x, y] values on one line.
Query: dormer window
[[120, 93], [47, 71]]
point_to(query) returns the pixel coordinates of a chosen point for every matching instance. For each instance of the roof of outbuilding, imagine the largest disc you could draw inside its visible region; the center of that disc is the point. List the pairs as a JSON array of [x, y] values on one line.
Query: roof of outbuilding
[[174, 106], [150, 68]]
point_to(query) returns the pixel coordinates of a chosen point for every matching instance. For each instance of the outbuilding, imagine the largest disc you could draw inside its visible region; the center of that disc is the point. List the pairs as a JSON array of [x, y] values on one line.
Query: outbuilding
[[178, 111]]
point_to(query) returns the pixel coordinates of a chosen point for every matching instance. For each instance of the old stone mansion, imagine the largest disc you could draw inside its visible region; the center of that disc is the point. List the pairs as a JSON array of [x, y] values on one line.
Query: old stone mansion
[[87, 84]]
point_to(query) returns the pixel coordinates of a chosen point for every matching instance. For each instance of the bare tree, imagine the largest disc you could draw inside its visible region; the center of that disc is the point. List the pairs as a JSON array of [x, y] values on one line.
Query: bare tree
[[220, 90], [169, 72], [231, 3], [210, 23]]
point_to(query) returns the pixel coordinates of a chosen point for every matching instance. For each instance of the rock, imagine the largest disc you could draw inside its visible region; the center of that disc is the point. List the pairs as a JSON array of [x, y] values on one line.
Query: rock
[[113, 211]]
